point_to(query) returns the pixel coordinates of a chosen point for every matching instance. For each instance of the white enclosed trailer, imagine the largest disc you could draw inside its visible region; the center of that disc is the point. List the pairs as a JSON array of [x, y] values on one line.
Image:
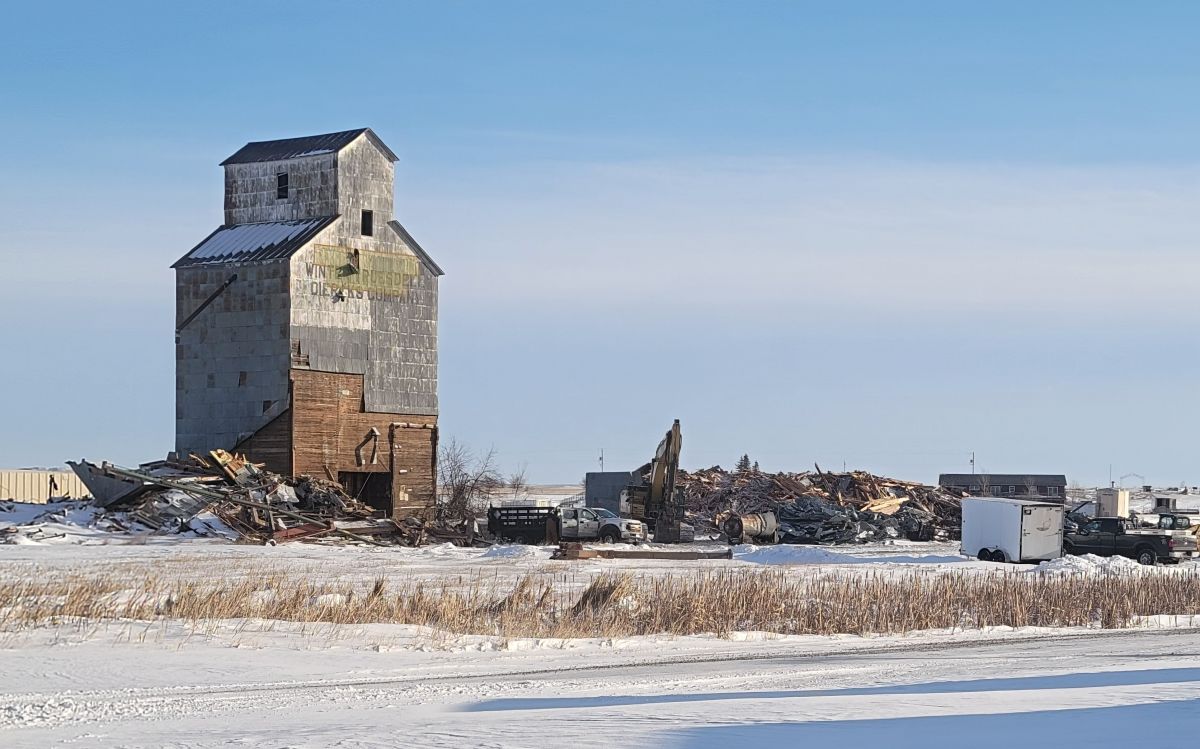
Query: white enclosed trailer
[[997, 529]]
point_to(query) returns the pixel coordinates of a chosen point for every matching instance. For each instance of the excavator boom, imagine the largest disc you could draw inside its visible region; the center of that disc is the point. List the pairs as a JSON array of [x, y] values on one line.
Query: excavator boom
[[656, 502]]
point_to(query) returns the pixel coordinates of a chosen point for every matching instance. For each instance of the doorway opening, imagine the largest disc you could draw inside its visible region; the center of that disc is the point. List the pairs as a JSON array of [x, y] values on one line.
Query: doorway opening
[[373, 488]]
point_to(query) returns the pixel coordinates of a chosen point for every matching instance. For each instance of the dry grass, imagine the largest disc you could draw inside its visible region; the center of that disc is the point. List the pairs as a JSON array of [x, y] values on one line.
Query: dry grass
[[617, 605]]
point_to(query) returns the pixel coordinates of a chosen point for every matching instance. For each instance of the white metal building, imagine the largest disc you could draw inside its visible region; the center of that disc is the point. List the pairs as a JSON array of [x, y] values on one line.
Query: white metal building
[[39, 485]]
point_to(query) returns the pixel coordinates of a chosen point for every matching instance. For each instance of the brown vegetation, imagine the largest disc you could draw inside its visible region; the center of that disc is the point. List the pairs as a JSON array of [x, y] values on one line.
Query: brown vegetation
[[618, 605], [467, 480]]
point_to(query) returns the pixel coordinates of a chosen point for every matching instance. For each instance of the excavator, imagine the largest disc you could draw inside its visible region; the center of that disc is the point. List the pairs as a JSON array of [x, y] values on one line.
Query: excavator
[[656, 501]]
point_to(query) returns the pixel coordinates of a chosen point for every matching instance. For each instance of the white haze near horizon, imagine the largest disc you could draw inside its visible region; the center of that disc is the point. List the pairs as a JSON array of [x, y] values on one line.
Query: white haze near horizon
[[891, 315]]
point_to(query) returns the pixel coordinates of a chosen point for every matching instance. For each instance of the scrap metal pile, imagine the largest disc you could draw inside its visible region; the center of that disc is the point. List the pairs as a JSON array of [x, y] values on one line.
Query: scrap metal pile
[[226, 495], [818, 507]]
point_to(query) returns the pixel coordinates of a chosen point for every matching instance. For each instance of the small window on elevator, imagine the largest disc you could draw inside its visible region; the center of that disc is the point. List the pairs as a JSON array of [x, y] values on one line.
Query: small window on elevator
[[368, 223], [281, 186]]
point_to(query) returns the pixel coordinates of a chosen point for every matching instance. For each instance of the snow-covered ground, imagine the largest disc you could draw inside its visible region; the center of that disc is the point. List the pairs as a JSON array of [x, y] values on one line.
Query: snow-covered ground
[[272, 685], [283, 684], [74, 539]]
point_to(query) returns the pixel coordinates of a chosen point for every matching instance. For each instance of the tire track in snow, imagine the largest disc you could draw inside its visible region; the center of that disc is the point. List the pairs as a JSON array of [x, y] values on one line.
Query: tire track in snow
[[99, 706]]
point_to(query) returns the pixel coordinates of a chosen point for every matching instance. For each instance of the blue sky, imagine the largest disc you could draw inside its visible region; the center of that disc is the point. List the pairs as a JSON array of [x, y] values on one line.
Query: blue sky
[[885, 234]]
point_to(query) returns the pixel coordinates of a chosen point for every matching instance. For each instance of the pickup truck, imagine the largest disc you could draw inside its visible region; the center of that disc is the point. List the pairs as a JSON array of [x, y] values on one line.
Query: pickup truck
[[535, 525], [1109, 537]]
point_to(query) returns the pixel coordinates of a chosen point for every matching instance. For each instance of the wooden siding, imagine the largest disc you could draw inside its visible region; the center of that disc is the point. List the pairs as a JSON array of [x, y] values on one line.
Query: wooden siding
[[329, 427], [271, 445]]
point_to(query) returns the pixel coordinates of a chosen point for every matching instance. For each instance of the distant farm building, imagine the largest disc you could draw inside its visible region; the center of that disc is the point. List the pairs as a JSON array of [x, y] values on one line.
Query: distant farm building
[[306, 325], [40, 485], [1006, 484]]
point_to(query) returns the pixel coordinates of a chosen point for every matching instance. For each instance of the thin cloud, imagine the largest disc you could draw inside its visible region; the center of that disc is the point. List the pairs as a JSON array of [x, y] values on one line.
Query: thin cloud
[[848, 234]]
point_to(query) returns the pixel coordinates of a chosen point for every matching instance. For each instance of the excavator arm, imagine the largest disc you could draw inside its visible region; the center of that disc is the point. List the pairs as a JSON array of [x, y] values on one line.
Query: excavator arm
[[656, 502]]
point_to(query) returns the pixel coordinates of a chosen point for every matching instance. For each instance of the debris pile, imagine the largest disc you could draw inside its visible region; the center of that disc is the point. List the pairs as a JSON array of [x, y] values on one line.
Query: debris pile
[[37, 523], [227, 495], [818, 507]]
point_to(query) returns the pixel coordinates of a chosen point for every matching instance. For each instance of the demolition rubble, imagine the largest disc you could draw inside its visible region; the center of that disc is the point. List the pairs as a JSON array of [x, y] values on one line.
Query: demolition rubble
[[817, 507], [227, 496]]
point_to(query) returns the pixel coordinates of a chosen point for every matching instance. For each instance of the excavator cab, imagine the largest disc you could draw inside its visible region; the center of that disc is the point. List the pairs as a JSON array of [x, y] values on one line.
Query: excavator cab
[[1169, 522]]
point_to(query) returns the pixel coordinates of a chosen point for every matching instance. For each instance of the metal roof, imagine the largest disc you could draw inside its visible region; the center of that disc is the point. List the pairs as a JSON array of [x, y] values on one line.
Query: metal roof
[[241, 243], [1002, 479], [433, 267], [309, 145]]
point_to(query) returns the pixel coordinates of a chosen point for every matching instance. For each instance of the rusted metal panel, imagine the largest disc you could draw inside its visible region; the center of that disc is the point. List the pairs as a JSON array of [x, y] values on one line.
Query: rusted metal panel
[[307, 530], [758, 525]]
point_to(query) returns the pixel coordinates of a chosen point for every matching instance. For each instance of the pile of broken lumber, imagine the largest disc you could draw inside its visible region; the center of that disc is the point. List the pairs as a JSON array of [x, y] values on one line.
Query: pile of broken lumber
[[226, 494], [822, 507]]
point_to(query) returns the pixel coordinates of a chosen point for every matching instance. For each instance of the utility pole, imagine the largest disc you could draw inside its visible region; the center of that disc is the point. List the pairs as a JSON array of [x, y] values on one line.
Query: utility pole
[[972, 462], [602, 460]]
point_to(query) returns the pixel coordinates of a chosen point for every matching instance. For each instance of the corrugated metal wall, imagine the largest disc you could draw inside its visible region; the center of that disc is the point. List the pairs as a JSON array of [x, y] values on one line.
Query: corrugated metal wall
[[34, 486]]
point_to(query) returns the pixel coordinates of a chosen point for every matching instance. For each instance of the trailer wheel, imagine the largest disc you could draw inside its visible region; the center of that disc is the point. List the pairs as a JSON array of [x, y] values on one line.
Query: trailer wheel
[[984, 555], [1147, 556], [998, 556]]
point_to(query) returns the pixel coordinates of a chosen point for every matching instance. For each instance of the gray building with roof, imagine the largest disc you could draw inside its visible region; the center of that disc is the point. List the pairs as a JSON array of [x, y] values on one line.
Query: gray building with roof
[[307, 323], [1053, 486]]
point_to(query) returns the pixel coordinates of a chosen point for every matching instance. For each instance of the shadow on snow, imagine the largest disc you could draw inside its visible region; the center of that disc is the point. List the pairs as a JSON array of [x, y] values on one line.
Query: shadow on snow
[[1063, 681], [1166, 724]]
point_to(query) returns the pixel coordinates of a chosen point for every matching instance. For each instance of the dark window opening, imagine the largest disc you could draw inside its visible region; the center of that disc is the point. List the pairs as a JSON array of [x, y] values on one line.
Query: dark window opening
[[281, 186], [368, 223], [370, 488]]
